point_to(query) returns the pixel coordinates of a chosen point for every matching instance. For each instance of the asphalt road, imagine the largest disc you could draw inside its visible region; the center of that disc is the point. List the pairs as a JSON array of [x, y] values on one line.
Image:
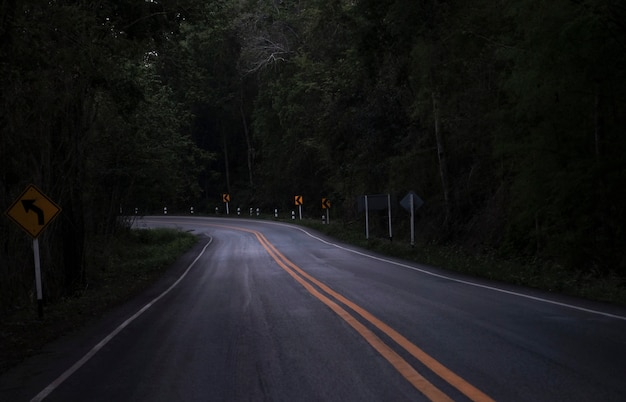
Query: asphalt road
[[262, 311]]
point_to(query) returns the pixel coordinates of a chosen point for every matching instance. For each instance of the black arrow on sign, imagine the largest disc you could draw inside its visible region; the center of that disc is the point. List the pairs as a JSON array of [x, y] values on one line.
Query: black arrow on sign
[[29, 205]]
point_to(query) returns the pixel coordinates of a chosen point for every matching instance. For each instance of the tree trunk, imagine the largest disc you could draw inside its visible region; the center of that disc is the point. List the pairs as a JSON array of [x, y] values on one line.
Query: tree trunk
[[248, 142], [73, 245], [599, 125], [441, 153], [226, 164], [71, 130]]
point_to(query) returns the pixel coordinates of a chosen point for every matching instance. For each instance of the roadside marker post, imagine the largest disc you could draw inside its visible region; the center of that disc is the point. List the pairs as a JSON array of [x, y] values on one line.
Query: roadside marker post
[[326, 206], [33, 211], [226, 200], [298, 202]]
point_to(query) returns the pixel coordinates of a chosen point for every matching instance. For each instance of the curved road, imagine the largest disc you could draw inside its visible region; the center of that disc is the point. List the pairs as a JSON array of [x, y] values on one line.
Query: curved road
[[263, 311]]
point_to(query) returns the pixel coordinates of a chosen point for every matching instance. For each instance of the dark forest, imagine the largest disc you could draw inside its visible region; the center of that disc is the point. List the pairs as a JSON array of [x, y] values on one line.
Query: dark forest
[[507, 118]]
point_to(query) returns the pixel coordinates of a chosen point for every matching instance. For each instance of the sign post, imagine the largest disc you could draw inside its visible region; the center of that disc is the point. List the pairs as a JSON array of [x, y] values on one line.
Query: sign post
[[411, 202], [389, 215], [326, 206], [367, 220], [226, 200], [375, 202], [33, 211], [412, 222], [298, 201], [38, 277]]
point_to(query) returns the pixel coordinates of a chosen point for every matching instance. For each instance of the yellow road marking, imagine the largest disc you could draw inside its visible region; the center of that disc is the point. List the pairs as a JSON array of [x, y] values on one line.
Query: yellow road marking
[[453, 379], [401, 365]]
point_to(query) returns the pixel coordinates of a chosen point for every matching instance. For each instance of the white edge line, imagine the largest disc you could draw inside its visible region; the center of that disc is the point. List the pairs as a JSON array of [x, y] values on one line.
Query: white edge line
[[46, 391], [424, 271], [539, 299]]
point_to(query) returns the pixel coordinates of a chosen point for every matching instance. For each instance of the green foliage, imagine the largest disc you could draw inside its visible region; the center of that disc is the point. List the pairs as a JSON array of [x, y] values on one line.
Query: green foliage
[[530, 112], [85, 116], [562, 132]]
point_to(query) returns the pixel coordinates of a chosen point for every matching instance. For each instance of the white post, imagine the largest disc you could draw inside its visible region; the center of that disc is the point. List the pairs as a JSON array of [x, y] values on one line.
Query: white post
[[367, 221], [412, 221], [227, 210], [300, 210], [389, 210], [38, 277]]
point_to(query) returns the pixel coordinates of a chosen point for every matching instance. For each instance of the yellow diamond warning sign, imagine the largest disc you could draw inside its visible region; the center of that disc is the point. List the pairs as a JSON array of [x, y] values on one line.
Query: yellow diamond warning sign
[[33, 211]]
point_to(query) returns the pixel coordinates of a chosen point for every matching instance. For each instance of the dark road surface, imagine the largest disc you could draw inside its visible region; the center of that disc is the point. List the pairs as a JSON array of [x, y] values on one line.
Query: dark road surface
[[262, 311]]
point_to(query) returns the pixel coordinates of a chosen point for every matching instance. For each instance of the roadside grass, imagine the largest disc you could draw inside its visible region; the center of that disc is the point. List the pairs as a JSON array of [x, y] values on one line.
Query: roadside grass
[[535, 274], [119, 270]]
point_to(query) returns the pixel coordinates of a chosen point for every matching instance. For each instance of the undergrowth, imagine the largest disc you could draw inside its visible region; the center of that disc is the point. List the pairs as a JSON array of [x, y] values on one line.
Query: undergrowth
[[544, 275], [117, 271]]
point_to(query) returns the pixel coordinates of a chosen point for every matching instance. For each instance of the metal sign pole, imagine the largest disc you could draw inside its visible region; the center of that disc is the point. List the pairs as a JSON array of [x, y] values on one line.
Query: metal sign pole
[[389, 210], [38, 277], [367, 222], [327, 216], [227, 211], [412, 222], [300, 211]]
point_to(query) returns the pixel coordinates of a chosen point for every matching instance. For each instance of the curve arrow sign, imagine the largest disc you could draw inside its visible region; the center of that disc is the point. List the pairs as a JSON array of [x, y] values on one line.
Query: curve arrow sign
[[29, 205], [33, 211]]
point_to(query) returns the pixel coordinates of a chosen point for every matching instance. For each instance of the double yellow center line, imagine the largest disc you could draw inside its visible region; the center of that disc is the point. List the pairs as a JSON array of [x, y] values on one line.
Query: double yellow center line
[[326, 295]]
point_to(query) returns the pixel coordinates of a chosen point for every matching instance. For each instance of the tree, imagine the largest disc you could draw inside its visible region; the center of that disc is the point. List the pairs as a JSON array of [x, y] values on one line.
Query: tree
[[566, 105], [77, 90]]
